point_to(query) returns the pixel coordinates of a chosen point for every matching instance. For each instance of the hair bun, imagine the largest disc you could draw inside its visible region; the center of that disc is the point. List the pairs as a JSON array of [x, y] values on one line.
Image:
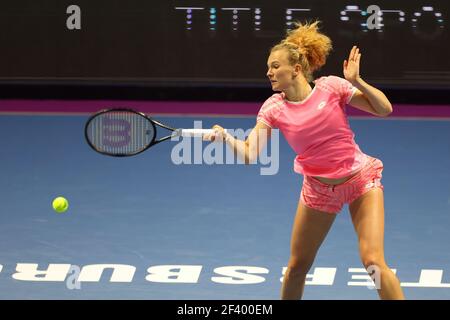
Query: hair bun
[[311, 43]]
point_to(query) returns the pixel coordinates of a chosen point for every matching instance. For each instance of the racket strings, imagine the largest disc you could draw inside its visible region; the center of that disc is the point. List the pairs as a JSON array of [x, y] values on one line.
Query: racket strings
[[120, 133]]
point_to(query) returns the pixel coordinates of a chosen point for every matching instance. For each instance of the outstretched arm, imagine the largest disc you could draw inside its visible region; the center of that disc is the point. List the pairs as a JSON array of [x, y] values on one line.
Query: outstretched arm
[[366, 97], [251, 148]]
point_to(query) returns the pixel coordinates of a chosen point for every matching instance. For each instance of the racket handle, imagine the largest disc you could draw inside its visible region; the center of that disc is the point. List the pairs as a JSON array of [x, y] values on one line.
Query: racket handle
[[195, 132]]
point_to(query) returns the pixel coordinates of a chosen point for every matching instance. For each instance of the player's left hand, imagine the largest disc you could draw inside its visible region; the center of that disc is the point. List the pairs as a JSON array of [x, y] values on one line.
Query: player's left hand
[[351, 67]]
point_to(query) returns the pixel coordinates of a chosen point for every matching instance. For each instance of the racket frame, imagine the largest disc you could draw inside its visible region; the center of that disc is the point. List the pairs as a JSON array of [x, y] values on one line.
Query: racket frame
[[152, 122]]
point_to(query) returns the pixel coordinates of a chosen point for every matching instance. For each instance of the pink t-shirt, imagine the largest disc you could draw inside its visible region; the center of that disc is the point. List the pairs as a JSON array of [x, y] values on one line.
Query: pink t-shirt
[[317, 129]]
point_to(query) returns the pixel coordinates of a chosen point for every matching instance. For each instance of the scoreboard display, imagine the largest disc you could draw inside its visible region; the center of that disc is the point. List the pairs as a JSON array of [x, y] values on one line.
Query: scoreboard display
[[404, 44]]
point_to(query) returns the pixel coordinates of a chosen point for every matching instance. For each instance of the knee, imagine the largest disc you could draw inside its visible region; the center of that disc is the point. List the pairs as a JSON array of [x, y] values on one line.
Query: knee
[[299, 265], [373, 259]]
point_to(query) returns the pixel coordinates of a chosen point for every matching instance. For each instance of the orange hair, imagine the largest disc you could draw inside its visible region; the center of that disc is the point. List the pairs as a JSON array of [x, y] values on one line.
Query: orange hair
[[306, 46]]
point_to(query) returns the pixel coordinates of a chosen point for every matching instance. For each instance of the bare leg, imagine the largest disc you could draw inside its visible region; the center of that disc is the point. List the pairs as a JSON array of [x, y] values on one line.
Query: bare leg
[[310, 229], [368, 219]]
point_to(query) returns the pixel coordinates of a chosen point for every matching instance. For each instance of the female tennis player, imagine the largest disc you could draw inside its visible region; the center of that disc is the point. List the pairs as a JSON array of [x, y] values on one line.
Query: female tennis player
[[335, 170]]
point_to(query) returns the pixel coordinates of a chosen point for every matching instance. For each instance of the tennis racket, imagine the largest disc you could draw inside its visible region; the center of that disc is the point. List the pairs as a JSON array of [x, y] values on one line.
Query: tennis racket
[[126, 132]]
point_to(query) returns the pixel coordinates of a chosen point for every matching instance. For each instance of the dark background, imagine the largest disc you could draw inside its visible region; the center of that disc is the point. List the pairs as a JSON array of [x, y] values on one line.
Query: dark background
[[141, 49]]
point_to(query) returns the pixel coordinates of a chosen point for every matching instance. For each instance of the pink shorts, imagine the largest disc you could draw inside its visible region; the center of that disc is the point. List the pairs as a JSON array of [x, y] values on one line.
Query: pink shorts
[[328, 198]]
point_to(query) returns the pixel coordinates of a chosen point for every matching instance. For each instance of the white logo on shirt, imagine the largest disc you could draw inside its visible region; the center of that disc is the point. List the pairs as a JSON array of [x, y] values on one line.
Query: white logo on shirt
[[370, 185], [321, 105]]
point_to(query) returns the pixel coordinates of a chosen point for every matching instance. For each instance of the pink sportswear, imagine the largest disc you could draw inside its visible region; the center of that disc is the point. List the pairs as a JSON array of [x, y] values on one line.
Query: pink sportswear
[[317, 129]]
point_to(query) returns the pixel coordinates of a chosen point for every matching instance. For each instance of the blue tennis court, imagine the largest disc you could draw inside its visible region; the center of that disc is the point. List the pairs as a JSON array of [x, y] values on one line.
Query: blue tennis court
[[146, 228]]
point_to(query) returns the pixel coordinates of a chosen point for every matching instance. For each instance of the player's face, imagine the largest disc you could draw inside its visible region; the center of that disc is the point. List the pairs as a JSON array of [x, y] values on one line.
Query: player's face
[[280, 72]]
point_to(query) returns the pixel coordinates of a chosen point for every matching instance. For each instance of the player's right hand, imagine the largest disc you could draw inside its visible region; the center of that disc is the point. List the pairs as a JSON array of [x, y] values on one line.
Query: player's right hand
[[218, 135]]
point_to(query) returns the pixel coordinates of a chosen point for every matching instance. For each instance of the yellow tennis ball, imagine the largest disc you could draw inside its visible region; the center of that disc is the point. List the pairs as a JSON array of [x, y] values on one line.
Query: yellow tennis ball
[[60, 204]]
